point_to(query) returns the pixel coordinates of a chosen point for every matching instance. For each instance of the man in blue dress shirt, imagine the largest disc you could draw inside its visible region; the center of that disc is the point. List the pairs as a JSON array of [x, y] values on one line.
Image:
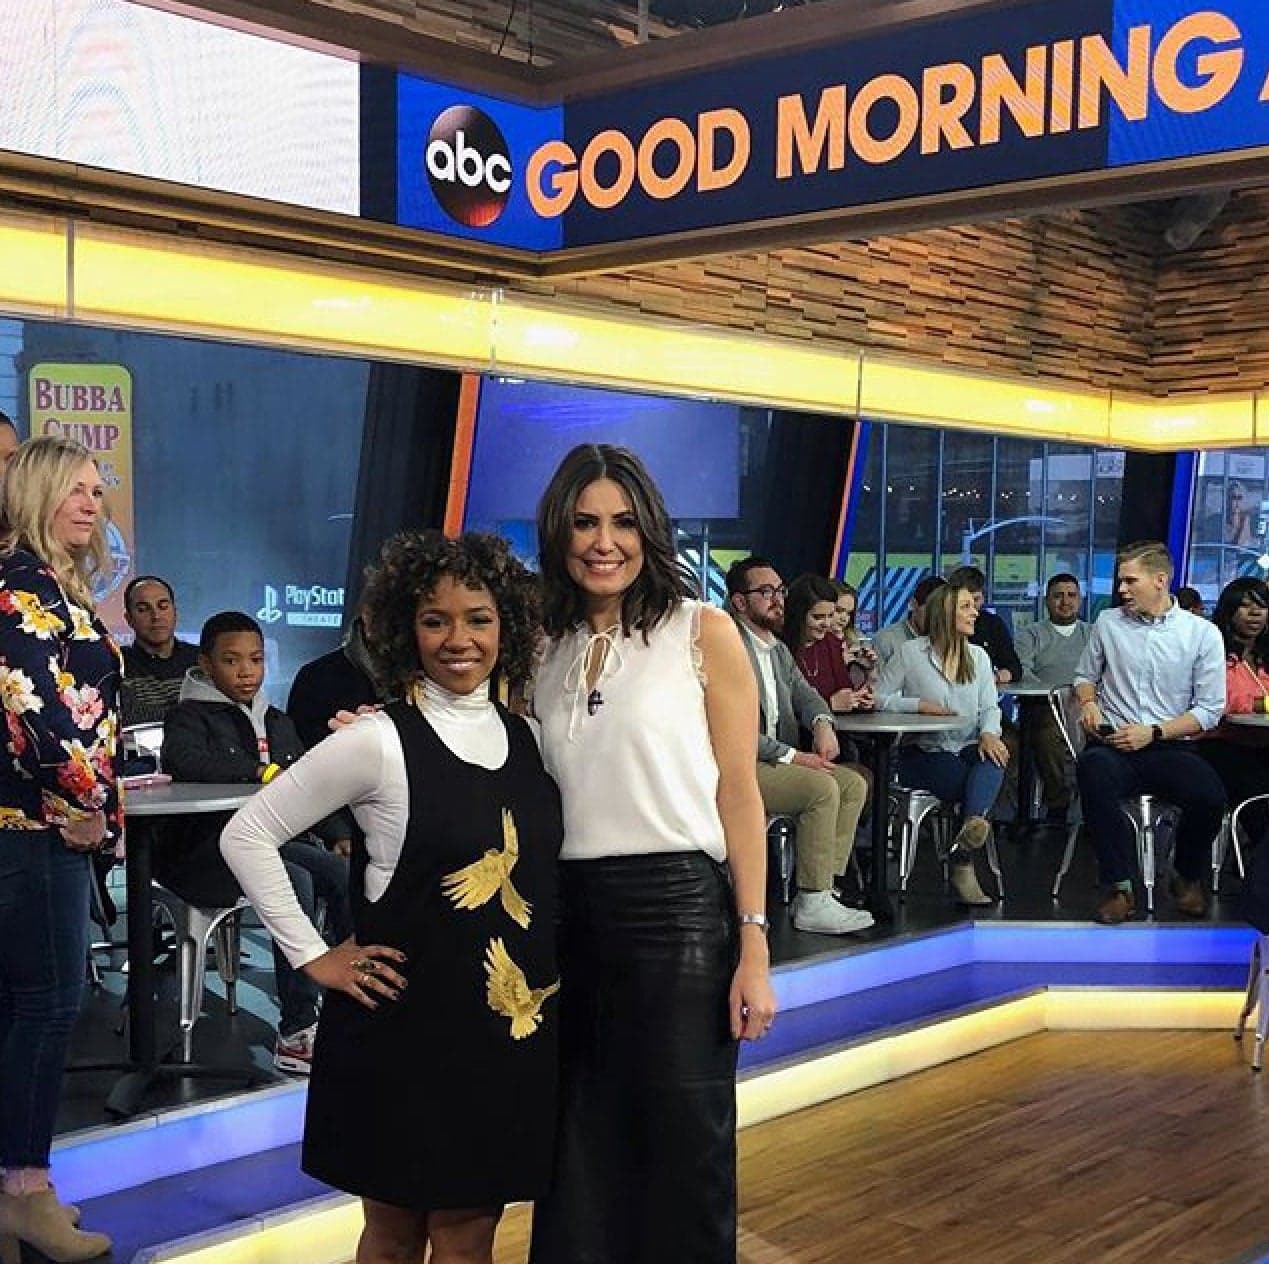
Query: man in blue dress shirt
[[1151, 677]]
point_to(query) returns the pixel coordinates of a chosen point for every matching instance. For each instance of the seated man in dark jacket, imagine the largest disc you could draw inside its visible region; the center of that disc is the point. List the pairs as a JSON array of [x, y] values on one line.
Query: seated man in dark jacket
[[223, 730]]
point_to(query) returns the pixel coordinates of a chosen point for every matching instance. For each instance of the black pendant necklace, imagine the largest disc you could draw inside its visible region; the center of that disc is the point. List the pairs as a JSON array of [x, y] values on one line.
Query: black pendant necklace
[[594, 700]]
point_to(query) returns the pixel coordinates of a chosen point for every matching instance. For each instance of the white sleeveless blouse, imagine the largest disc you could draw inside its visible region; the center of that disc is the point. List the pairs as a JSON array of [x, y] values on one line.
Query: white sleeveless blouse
[[637, 775]]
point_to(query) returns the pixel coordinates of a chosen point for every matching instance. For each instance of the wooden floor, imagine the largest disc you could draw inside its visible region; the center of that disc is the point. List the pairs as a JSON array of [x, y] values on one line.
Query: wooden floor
[[1064, 1148]]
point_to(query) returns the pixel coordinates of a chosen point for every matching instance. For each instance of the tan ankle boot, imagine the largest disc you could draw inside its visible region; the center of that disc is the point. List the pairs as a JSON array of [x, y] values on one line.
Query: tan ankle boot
[[965, 883], [40, 1220]]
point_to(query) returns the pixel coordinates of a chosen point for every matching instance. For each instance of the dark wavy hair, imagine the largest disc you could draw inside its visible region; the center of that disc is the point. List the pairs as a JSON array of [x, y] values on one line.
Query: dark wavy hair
[[1245, 588], [409, 567], [804, 592], [662, 583]]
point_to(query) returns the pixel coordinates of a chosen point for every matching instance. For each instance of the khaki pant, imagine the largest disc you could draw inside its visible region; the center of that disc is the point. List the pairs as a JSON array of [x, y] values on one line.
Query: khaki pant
[[827, 807]]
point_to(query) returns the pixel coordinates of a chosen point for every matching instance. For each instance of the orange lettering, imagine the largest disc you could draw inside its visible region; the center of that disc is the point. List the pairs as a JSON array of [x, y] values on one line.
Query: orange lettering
[[553, 194], [666, 131], [1002, 89], [940, 114], [618, 144], [1062, 87], [709, 175], [883, 149], [810, 141], [1219, 70], [1128, 86]]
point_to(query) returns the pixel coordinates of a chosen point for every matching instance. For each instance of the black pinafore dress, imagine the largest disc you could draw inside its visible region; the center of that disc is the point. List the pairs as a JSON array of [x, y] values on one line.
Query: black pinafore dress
[[446, 1098]]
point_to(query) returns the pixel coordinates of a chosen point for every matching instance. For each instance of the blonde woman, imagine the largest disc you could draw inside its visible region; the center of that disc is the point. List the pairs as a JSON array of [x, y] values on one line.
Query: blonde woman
[[59, 680], [941, 673]]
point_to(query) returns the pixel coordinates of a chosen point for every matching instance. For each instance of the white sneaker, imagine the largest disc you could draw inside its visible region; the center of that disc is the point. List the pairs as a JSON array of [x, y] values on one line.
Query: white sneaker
[[817, 911]]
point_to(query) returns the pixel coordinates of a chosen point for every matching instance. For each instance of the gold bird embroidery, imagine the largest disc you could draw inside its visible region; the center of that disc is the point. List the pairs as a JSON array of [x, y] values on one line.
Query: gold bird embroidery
[[509, 993], [479, 882]]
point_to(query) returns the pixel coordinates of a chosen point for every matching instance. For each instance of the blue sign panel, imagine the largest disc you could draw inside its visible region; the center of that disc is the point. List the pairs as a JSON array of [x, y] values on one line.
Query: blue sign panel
[[987, 100], [460, 159]]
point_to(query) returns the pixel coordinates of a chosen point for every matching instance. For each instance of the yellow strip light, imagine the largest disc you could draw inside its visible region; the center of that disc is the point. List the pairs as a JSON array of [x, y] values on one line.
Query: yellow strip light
[[33, 265], [328, 1232], [136, 280]]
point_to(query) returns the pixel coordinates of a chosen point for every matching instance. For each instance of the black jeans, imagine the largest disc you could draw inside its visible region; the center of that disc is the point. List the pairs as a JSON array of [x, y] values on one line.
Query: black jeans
[[1174, 771], [43, 949]]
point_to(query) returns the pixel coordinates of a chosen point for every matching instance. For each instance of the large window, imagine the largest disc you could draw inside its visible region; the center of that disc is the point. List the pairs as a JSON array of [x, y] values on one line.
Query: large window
[[1021, 509], [234, 471], [1229, 519]]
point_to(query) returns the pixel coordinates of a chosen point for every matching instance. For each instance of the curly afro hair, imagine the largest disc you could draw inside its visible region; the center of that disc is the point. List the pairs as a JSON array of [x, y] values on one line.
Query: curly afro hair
[[409, 567]]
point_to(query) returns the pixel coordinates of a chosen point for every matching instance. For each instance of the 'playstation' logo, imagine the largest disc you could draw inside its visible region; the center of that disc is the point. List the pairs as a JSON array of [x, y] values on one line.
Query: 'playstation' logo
[[270, 612], [468, 165]]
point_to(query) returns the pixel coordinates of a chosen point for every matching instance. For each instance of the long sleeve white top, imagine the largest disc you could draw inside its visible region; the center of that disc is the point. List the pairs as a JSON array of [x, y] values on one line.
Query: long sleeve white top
[[361, 767], [916, 673]]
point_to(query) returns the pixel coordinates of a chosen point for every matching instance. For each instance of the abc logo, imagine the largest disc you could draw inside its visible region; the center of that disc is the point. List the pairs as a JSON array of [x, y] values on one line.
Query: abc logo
[[468, 165]]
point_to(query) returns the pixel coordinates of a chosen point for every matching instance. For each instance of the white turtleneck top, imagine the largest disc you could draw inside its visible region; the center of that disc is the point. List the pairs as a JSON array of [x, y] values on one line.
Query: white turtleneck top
[[362, 767]]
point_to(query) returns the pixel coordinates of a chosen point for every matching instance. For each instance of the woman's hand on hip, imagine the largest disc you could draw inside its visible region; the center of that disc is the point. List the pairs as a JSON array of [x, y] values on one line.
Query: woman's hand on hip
[[86, 834], [364, 972], [752, 1001]]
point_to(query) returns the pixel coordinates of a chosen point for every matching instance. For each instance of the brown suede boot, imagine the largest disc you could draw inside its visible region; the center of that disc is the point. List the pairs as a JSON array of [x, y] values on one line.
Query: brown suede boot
[[39, 1220]]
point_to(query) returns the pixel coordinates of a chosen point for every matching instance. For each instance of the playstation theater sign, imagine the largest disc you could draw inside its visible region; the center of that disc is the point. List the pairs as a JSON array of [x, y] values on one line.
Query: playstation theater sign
[[1023, 93]]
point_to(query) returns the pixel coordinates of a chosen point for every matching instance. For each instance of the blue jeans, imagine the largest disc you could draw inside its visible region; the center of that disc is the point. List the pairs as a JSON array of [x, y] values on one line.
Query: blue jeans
[[965, 778], [44, 940]]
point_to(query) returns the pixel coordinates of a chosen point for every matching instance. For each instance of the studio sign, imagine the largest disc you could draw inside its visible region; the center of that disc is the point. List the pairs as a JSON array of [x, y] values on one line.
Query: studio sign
[[1188, 67]]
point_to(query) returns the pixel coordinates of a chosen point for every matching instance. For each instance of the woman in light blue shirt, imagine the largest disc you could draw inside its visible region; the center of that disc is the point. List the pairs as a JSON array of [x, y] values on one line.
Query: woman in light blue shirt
[[943, 674]]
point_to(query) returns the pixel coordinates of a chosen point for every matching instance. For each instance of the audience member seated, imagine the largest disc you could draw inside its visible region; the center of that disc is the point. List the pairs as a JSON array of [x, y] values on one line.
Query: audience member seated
[[1049, 651], [1151, 676], [944, 673], [1238, 753], [817, 650], [342, 680], [860, 657], [888, 641], [820, 657], [223, 730], [10, 440], [155, 664], [990, 631], [825, 798], [1191, 601]]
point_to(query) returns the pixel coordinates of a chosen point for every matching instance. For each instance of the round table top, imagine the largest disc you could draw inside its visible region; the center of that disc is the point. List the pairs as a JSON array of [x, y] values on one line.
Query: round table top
[[1027, 689], [180, 797], [865, 722], [1251, 719]]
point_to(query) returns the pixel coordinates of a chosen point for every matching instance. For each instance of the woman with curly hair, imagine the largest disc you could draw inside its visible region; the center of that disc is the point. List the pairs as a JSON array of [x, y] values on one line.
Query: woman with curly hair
[[649, 713], [433, 1085]]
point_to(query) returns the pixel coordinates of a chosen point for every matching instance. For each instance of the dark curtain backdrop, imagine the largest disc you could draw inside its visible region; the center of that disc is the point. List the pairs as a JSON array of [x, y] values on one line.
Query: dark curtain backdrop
[[1146, 500], [795, 472], [407, 448]]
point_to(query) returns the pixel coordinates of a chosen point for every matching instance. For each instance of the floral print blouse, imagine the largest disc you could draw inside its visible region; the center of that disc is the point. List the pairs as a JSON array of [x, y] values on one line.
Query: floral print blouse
[[59, 683]]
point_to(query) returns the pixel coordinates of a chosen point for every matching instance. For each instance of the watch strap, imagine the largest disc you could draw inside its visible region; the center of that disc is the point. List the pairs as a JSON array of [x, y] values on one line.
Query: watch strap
[[755, 919]]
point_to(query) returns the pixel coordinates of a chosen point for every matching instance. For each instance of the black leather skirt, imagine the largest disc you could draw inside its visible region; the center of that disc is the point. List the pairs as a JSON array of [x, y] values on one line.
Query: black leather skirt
[[646, 1155]]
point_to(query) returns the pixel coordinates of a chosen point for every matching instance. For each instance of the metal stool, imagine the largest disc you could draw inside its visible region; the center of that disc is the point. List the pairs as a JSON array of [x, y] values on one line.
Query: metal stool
[[909, 810], [1230, 836], [194, 929], [1257, 999], [781, 853]]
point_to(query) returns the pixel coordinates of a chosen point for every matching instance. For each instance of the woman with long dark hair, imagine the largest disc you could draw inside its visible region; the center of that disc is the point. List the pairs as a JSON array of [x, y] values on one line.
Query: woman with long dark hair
[[433, 1086], [942, 673], [1240, 753], [59, 802], [649, 715]]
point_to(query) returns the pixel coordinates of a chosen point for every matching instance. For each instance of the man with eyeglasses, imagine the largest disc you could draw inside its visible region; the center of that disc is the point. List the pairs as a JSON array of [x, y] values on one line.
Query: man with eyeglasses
[[824, 797]]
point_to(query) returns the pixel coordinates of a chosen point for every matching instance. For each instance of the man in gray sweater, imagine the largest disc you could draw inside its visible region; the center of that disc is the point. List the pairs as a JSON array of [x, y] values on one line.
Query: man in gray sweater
[[1049, 651]]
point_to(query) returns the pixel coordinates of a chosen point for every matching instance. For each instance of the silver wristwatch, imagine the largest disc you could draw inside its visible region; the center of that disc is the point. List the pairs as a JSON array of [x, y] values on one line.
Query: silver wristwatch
[[756, 919]]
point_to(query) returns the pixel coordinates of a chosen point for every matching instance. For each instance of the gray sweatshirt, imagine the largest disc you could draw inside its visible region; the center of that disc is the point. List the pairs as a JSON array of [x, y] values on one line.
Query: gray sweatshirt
[[1047, 656]]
